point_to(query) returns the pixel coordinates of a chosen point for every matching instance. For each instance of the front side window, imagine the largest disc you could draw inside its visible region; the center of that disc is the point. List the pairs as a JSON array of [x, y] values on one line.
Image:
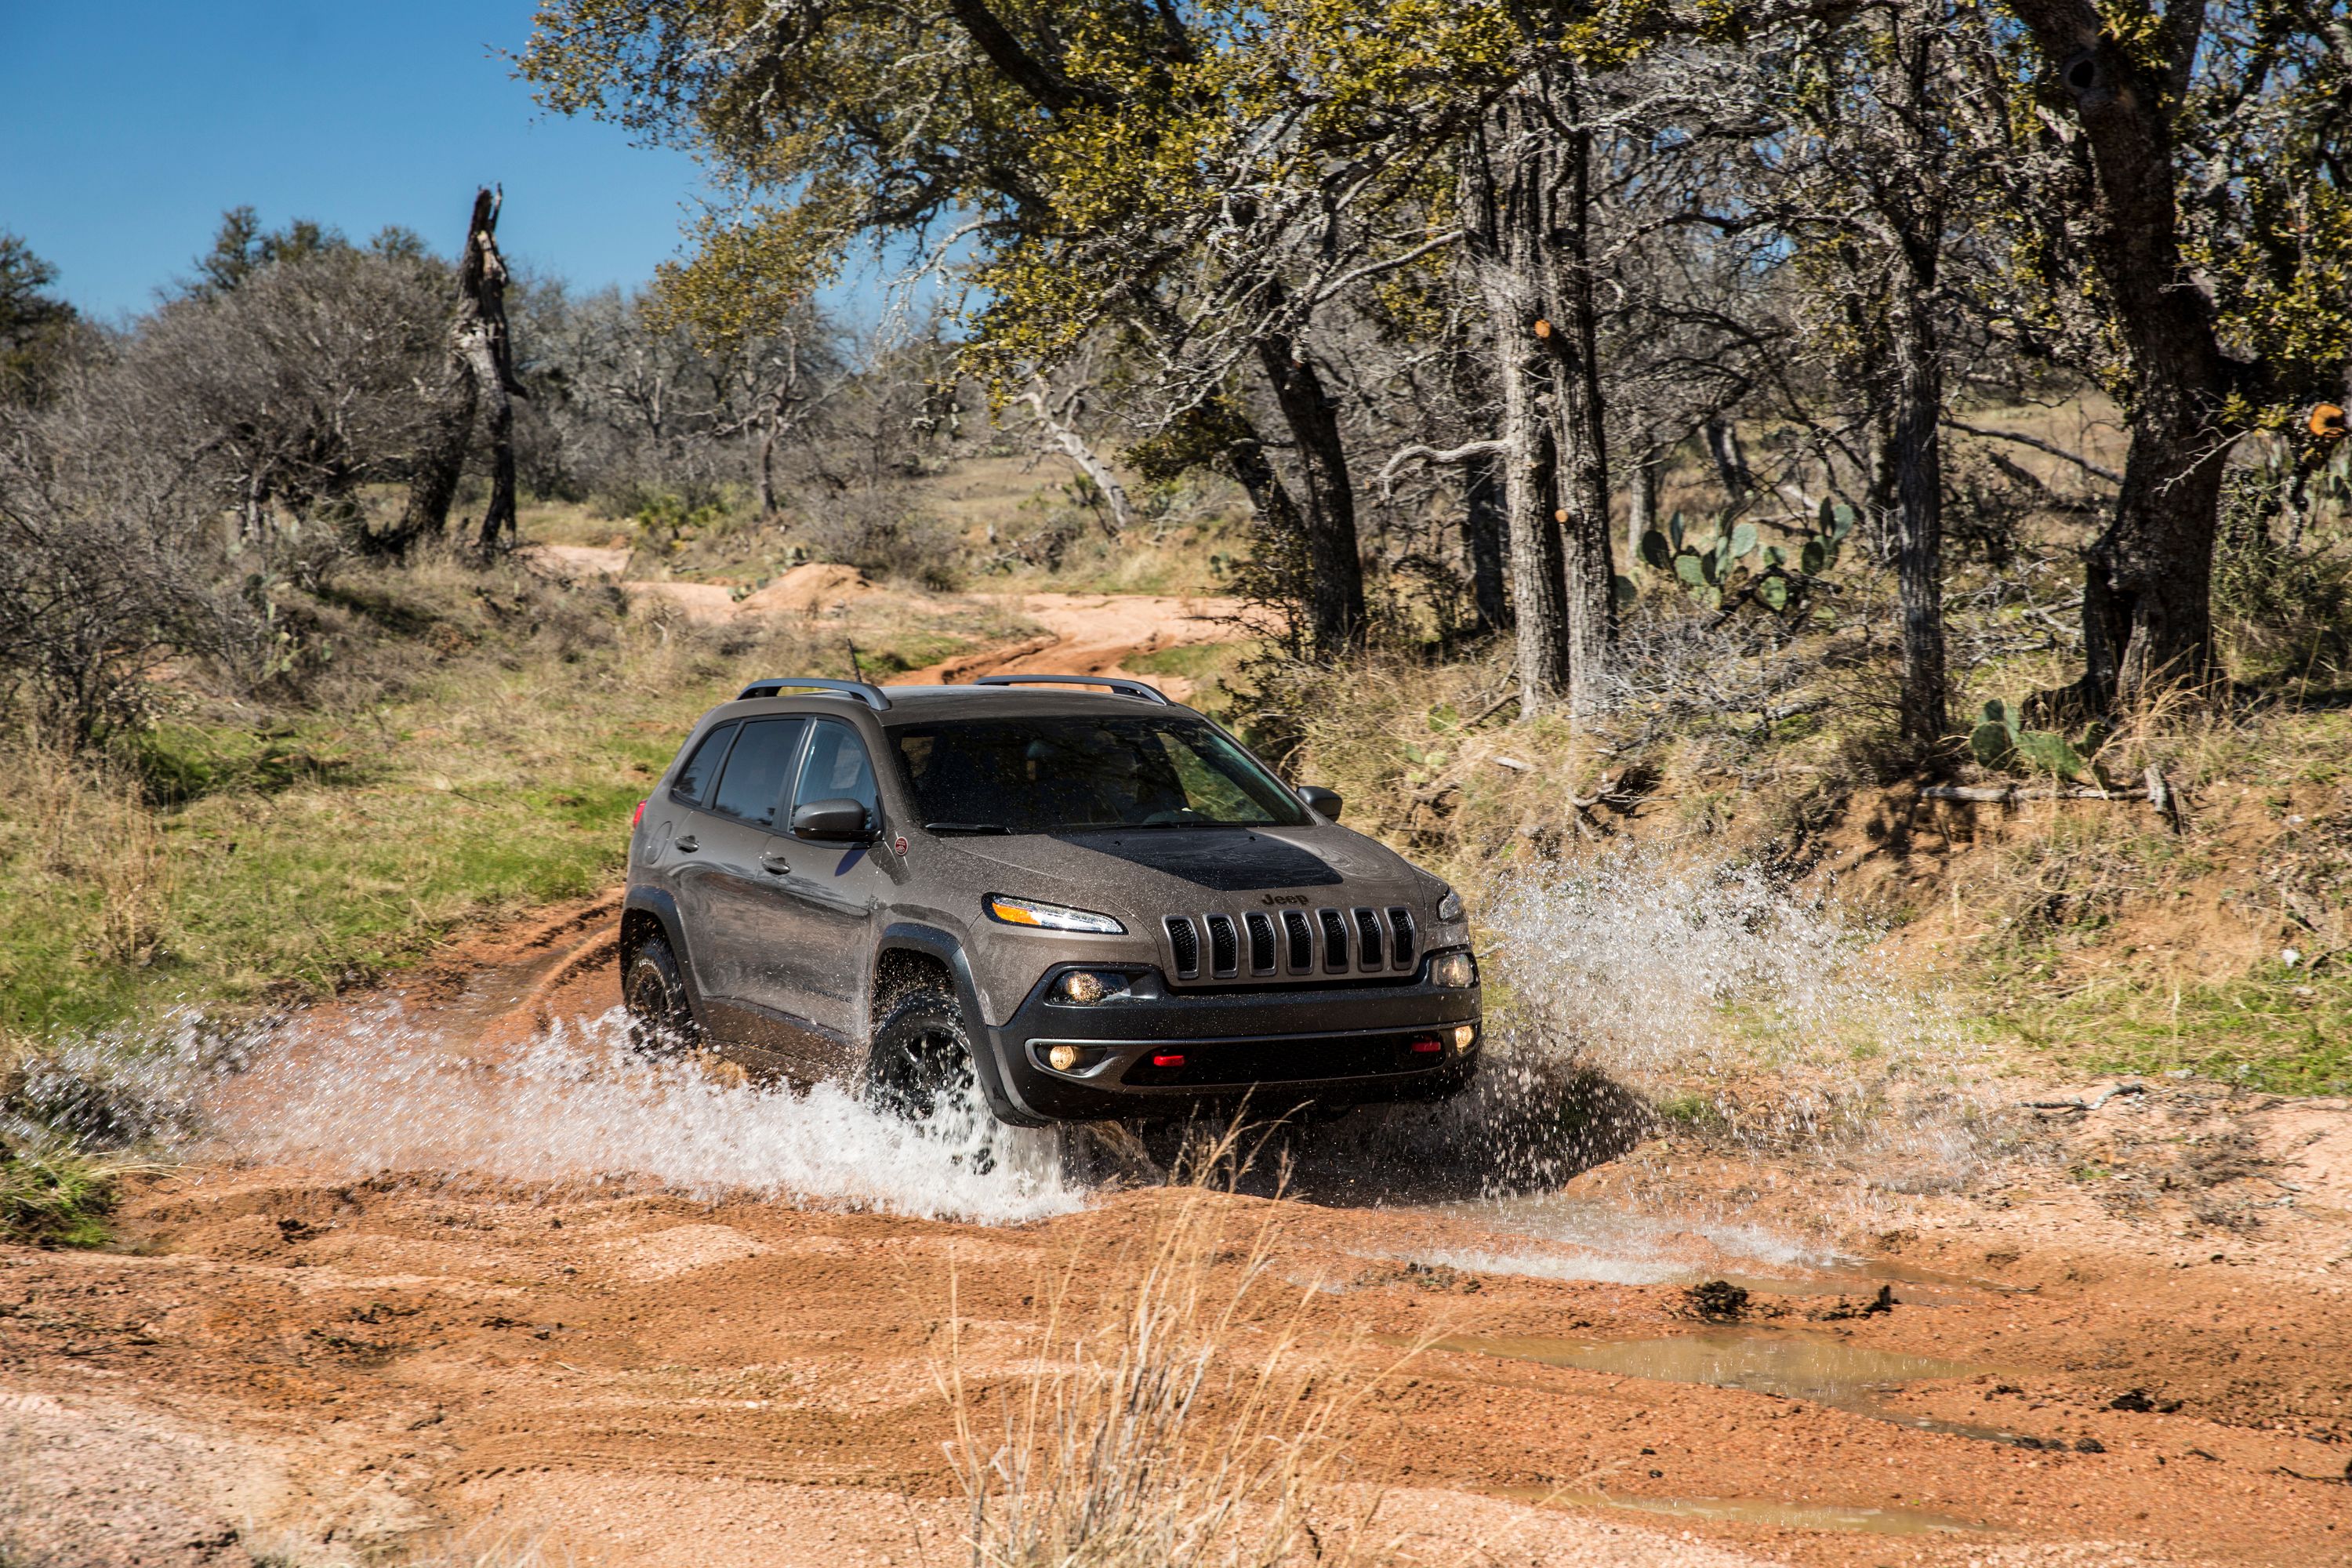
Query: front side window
[[1071, 773], [837, 769], [694, 779], [752, 789]]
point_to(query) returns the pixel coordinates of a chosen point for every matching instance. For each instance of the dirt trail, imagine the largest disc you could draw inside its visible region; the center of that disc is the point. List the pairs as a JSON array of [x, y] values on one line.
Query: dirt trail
[[1086, 634], [1093, 634], [440, 1317]]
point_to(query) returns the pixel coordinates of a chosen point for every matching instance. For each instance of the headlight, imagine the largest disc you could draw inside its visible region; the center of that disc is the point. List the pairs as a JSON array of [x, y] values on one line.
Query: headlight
[[1458, 970], [1085, 987], [1051, 916], [1449, 908]]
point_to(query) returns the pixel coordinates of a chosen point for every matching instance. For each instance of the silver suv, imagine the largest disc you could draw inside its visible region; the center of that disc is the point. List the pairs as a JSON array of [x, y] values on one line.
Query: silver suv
[[1088, 904]]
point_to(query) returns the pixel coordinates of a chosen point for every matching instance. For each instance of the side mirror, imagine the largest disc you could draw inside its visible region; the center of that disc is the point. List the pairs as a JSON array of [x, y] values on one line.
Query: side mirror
[[1323, 803], [832, 821]]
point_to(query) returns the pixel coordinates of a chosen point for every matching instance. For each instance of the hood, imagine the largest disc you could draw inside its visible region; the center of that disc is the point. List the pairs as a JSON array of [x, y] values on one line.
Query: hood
[[1144, 871]]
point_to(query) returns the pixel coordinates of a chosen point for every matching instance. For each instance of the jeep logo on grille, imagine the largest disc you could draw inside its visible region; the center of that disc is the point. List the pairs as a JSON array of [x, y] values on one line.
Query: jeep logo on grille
[[1299, 898]]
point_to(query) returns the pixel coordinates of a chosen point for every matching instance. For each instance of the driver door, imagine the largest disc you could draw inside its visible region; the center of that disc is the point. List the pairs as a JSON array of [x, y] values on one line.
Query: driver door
[[833, 893]]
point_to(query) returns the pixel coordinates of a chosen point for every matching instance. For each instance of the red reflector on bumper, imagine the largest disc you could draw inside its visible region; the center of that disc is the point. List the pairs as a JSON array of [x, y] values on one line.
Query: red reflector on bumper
[[636, 816], [1168, 1061], [1428, 1048]]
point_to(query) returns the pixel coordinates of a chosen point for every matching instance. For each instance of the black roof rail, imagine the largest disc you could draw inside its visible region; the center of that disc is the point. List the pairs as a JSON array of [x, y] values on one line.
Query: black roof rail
[[1119, 684], [865, 691]]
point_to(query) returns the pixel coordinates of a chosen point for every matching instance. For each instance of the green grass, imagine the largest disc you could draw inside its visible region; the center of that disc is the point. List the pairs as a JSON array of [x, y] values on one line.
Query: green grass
[[229, 864], [2280, 1030], [60, 1200]]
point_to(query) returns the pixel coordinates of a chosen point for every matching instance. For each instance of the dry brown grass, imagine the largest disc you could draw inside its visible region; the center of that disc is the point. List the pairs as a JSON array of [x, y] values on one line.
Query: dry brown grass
[[1176, 1421]]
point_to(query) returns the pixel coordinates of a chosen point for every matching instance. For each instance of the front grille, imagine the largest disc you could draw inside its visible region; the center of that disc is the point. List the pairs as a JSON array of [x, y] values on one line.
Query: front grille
[[1225, 950], [1261, 930], [1402, 949], [1335, 942], [1293, 946], [1302, 940], [1187, 944]]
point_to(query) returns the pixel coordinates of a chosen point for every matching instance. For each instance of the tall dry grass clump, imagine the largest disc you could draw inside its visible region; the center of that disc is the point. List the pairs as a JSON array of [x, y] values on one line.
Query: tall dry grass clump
[[1176, 1423], [97, 851]]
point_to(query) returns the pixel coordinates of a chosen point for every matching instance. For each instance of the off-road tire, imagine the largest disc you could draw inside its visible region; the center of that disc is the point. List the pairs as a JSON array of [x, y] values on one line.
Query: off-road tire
[[653, 992], [921, 1053]]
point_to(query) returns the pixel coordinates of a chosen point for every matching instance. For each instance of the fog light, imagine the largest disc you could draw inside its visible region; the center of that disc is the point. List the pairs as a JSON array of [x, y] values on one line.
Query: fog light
[[1457, 970], [1087, 986], [1062, 1059], [1463, 1035]]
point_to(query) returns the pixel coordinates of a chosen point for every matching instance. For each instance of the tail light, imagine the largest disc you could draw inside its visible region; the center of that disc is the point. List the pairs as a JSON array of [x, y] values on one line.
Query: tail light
[[637, 817]]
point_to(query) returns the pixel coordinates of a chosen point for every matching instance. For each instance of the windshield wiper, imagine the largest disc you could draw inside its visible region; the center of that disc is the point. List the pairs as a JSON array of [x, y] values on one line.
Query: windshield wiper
[[967, 827]]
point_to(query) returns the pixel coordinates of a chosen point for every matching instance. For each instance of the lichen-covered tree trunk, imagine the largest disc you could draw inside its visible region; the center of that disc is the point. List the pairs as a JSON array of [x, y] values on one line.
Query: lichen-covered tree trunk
[[1579, 411], [2148, 618], [1502, 195]]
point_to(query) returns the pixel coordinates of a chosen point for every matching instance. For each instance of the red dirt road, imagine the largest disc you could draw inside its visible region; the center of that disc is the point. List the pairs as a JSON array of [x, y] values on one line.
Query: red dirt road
[[615, 1329]]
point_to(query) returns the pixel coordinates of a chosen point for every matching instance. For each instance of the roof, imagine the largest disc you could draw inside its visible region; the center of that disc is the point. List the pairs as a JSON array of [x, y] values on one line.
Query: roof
[[930, 704]]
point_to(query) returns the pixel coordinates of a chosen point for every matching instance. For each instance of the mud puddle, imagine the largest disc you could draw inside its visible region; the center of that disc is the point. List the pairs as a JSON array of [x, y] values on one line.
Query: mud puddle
[[1756, 1510], [1848, 1377]]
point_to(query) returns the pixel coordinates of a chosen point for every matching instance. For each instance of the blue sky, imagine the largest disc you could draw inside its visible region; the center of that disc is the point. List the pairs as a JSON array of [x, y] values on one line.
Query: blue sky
[[127, 129]]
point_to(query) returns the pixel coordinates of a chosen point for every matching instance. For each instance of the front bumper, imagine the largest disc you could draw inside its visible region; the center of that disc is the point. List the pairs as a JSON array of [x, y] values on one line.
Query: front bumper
[[1333, 1046]]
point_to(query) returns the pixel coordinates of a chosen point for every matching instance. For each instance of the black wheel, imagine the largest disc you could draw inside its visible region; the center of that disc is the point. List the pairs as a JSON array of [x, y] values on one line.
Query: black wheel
[[920, 1055], [653, 992]]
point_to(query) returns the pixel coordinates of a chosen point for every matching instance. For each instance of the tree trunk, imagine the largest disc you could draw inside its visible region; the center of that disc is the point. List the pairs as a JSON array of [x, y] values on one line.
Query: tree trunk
[[1730, 462], [1482, 524], [1335, 603], [1915, 454], [1502, 222], [1579, 416], [2147, 588], [482, 281], [1641, 503], [767, 469], [1915, 449]]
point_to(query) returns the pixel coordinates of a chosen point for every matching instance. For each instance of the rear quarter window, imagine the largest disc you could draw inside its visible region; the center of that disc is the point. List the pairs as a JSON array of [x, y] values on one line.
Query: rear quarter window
[[693, 781]]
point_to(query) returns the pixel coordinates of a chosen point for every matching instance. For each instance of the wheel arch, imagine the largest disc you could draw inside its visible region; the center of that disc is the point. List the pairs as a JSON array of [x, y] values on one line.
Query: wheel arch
[[909, 952], [650, 911]]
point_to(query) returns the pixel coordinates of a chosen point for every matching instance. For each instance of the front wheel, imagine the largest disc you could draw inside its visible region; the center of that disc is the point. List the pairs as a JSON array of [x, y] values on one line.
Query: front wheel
[[653, 994], [921, 1056]]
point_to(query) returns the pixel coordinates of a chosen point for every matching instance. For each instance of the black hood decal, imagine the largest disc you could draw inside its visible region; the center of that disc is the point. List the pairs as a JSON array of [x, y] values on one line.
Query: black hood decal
[[1225, 860]]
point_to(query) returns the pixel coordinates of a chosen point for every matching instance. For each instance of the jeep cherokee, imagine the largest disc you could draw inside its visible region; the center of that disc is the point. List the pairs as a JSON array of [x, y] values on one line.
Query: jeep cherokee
[[1090, 904]]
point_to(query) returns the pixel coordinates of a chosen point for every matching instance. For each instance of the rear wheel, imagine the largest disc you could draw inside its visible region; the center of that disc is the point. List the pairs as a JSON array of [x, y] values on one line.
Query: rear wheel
[[653, 994]]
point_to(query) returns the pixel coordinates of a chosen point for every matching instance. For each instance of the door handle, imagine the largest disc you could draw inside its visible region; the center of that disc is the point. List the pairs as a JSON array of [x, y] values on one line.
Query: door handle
[[771, 861], [688, 844]]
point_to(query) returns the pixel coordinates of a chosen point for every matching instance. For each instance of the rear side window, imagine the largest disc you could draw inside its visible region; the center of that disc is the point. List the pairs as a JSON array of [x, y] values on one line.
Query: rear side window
[[753, 787], [837, 769], [694, 779]]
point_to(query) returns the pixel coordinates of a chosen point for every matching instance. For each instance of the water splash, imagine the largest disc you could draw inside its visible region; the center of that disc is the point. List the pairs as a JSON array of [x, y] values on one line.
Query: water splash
[[378, 1092], [1758, 1018]]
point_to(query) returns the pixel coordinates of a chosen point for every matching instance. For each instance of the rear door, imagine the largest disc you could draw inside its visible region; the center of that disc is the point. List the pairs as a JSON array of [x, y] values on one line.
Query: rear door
[[835, 890], [676, 853], [744, 858]]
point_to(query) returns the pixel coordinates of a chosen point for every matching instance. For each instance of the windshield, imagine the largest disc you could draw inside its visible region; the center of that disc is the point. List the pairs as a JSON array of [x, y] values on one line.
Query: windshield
[[1065, 775]]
